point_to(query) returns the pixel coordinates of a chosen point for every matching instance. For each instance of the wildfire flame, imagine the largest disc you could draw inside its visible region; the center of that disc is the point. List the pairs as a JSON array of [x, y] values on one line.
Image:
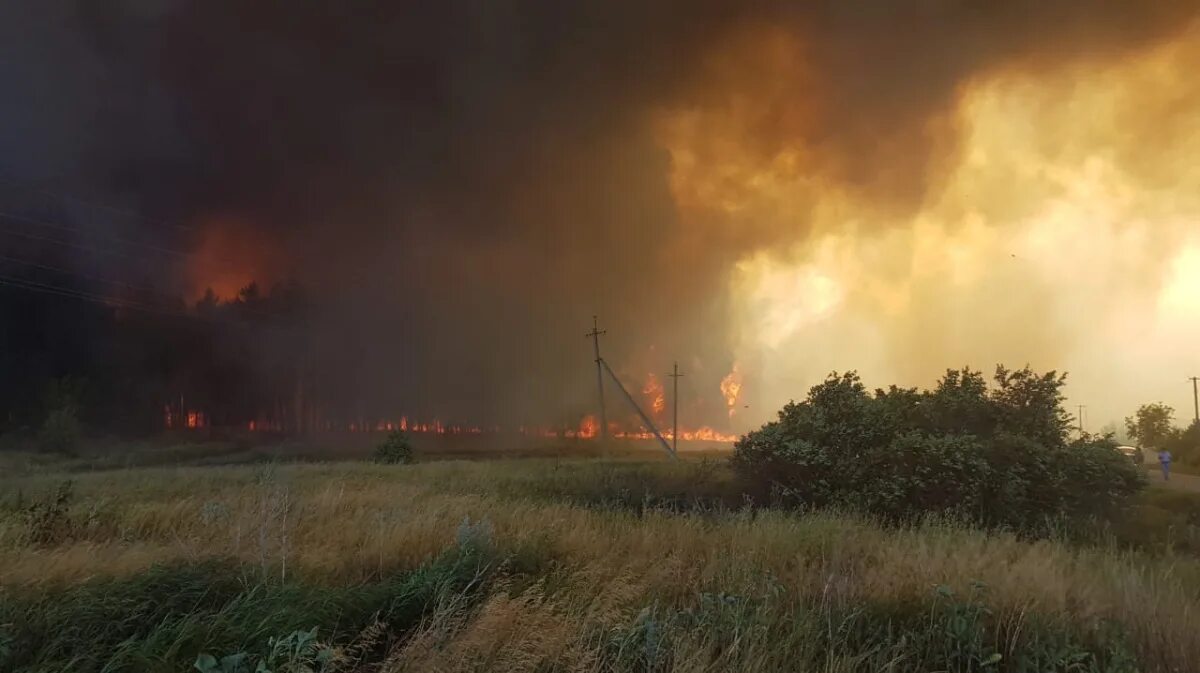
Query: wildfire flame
[[589, 427], [731, 388], [191, 419], [655, 397]]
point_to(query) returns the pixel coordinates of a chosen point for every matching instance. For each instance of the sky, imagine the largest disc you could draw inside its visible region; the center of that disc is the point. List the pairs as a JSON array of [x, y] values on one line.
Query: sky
[[762, 191]]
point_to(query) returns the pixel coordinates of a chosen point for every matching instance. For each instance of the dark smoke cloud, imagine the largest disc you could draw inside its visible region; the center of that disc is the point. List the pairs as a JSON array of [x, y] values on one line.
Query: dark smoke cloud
[[465, 183]]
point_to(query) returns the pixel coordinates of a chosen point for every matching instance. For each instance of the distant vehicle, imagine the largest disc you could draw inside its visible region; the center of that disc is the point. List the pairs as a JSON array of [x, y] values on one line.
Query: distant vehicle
[[1133, 453]]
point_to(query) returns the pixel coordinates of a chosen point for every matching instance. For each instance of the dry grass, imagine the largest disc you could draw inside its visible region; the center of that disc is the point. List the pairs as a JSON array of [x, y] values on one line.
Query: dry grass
[[349, 523]]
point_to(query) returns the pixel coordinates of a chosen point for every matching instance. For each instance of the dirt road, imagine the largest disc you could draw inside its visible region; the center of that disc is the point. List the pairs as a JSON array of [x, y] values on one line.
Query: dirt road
[[1180, 482]]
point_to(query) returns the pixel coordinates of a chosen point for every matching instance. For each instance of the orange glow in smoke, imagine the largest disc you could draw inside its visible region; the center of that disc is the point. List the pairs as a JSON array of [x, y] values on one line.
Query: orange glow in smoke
[[230, 254]]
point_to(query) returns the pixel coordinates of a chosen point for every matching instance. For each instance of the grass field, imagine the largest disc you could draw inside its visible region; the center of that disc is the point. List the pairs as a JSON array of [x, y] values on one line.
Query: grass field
[[544, 564]]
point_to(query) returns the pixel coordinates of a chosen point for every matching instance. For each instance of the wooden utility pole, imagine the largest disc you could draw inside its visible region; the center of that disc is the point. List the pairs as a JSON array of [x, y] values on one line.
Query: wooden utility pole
[[1196, 396], [645, 419], [675, 433], [1081, 408], [595, 336]]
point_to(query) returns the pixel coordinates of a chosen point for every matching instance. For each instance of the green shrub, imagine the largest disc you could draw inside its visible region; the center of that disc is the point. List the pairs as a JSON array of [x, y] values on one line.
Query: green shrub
[[60, 432], [169, 617], [395, 450], [1097, 480], [919, 473], [997, 456], [1185, 445], [297, 652], [946, 631]]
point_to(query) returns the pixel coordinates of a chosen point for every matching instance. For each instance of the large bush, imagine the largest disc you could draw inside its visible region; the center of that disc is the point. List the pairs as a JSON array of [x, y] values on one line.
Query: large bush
[[998, 455], [396, 449], [60, 432], [1184, 445]]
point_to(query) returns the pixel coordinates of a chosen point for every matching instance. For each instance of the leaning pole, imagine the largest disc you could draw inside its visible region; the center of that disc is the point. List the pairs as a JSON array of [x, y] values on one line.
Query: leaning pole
[[645, 419]]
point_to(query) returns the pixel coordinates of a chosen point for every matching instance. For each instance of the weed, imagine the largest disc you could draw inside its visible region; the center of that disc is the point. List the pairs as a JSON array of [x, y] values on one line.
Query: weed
[[297, 652], [169, 617], [474, 537], [48, 522]]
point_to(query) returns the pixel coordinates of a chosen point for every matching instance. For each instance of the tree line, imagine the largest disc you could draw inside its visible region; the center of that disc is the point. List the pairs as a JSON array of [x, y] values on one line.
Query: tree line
[[131, 369], [1153, 427]]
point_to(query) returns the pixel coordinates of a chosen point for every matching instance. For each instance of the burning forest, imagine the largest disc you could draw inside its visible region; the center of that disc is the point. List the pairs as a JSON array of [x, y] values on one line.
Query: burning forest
[[599, 335], [296, 219]]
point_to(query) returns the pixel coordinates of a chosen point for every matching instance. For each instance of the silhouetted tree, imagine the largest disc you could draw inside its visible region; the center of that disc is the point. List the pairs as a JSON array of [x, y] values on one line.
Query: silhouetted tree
[[1151, 426]]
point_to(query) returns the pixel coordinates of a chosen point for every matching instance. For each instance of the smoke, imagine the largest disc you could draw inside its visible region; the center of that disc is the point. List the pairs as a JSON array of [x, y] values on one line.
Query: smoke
[[464, 184]]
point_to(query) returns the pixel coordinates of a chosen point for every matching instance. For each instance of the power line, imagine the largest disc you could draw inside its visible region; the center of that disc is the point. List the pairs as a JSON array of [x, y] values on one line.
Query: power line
[[85, 276], [207, 262], [139, 288], [118, 302], [64, 227], [85, 248], [192, 257], [71, 244], [113, 251], [40, 222], [63, 196]]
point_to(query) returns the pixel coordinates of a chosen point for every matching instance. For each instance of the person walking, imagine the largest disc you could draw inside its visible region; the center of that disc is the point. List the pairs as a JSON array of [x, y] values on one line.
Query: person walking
[[1164, 460]]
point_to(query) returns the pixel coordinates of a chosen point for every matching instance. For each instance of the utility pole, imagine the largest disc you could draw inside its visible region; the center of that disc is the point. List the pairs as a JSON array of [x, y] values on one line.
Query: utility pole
[[675, 433], [645, 419], [1081, 408], [1196, 396], [595, 336]]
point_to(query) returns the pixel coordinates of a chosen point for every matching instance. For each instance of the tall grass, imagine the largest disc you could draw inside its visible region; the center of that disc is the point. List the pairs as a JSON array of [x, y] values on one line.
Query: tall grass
[[163, 619], [603, 569]]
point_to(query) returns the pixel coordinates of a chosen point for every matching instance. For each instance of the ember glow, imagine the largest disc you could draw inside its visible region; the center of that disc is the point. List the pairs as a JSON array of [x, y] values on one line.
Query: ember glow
[[179, 418], [229, 255]]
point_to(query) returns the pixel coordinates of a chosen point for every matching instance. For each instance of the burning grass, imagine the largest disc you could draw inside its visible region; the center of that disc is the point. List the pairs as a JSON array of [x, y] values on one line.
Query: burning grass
[[590, 565]]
